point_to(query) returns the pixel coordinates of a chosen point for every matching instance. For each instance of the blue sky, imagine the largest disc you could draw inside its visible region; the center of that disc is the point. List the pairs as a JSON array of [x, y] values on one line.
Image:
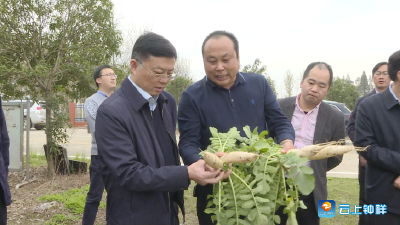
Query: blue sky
[[351, 36]]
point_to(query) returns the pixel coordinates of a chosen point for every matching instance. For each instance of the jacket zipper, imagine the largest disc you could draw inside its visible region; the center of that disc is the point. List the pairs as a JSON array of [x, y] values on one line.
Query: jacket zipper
[[162, 115]]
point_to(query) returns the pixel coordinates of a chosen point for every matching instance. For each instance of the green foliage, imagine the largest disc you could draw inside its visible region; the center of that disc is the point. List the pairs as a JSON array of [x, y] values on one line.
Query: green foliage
[[62, 219], [49, 49], [255, 68], [81, 157], [254, 191], [343, 90], [73, 199], [364, 87], [178, 85]]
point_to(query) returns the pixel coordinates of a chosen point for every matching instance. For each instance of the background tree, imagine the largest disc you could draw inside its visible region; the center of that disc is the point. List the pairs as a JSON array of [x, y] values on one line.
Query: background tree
[[371, 83], [177, 86], [343, 90], [364, 86], [129, 37], [49, 49], [348, 77], [288, 81], [256, 67], [182, 80]]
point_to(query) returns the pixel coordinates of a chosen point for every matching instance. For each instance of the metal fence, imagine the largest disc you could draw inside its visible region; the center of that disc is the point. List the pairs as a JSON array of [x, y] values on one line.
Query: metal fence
[[79, 113]]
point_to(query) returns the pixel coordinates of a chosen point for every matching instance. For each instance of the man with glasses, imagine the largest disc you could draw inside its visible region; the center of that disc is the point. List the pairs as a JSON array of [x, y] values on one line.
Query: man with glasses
[[378, 126], [105, 79], [381, 80], [137, 144], [226, 98]]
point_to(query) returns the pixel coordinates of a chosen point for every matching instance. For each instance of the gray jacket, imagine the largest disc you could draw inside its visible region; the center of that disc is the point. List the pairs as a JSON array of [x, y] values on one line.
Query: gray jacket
[[91, 105], [329, 127]]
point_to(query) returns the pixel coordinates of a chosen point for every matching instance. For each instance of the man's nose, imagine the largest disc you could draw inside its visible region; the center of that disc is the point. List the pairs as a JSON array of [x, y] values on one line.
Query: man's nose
[[220, 66], [314, 88]]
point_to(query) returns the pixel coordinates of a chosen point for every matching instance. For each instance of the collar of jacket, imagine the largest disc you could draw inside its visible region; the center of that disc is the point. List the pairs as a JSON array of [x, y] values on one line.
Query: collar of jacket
[[135, 98], [388, 99]]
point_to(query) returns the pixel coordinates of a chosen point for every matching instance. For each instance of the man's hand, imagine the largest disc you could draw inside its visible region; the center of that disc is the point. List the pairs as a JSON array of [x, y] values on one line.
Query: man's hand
[[363, 161], [203, 174], [397, 182], [287, 144]]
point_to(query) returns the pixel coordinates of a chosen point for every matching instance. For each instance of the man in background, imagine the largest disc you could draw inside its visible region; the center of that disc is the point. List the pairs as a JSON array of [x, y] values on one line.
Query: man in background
[[314, 122], [381, 79], [105, 80], [378, 126]]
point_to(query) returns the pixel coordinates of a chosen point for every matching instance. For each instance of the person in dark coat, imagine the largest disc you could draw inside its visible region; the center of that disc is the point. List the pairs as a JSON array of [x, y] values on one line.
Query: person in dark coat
[[378, 126], [136, 142], [381, 79], [314, 122], [5, 195]]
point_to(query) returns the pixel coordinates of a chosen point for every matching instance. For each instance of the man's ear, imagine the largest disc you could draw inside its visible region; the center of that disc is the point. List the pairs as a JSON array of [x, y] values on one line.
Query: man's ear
[[134, 65], [98, 80], [301, 83]]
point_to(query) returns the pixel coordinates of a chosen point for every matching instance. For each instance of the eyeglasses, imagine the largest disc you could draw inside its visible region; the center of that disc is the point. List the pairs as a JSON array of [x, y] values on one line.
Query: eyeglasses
[[110, 75], [158, 76], [378, 73]]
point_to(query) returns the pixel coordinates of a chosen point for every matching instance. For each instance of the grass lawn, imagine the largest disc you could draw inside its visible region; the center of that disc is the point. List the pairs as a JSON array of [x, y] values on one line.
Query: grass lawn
[[342, 191]]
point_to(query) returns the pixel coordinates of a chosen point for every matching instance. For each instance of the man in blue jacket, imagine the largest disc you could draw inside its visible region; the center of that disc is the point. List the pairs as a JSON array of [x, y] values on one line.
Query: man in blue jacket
[[378, 126], [226, 98], [135, 134], [5, 195]]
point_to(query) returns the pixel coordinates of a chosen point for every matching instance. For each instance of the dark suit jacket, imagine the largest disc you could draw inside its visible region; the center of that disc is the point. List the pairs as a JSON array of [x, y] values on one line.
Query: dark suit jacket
[[378, 125], [135, 176], [4, 158], [329, 127], [351, 127]]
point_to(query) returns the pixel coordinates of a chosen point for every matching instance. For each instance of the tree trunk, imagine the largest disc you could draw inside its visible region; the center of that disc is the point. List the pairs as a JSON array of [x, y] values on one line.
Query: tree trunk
[[50, 159]]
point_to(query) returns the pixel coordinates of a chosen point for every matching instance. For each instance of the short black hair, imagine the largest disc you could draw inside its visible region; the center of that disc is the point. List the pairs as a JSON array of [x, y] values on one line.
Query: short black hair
[[320, 64], [376, 67], [152, 44], [394, 65], [220, 33], [97, 74]]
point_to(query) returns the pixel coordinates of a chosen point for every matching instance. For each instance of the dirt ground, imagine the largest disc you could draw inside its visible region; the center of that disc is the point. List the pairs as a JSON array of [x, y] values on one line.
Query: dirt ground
[[25, 207]]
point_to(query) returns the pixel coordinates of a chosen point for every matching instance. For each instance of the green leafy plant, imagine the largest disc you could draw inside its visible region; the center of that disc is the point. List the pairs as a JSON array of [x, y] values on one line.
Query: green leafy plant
[[254, 191]]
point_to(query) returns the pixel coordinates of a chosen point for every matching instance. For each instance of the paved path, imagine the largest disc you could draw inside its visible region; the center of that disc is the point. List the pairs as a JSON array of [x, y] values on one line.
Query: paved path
[[80, 144]]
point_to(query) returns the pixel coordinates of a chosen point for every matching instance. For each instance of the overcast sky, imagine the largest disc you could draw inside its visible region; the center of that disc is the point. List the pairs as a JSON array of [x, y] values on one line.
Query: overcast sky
[[350, 35]]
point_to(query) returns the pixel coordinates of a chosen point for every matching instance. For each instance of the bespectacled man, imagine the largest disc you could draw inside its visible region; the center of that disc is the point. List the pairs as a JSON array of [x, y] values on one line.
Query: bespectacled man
[[135, 133]]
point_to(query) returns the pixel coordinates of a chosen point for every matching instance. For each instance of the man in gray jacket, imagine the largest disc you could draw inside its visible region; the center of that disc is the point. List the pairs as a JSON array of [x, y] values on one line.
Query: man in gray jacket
[[314, 122], [105, 80]]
